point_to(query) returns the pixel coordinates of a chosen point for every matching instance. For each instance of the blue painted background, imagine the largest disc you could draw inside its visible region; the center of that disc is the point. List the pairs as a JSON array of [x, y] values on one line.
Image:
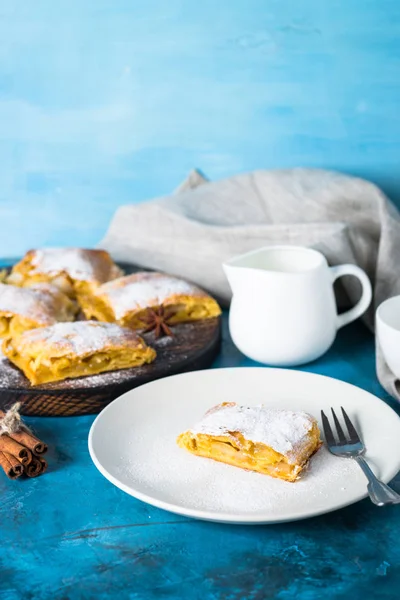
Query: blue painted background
[[105, 102]]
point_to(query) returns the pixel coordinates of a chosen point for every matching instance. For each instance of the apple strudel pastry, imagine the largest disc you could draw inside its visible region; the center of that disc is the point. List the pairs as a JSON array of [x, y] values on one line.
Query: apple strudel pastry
[[269, 441], [75, 350], [27, 308], [127, 300], [75, 271]]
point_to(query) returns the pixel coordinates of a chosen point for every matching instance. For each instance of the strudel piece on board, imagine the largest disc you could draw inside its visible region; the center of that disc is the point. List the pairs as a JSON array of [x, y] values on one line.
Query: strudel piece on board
[[27, 308], [127, 300], [75, 271], [75, 350]]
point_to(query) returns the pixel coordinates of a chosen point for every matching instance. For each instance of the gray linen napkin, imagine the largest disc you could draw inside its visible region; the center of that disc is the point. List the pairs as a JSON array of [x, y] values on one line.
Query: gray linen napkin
[[193, 231]]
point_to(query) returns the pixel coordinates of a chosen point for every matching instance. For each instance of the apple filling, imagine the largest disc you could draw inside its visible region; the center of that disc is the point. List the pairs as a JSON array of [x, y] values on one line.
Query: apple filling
[[12, 325], [230, 441], [39, 370]]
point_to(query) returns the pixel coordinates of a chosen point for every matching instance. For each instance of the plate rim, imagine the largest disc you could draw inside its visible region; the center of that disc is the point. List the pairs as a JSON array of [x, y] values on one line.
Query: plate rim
[[228, 518]]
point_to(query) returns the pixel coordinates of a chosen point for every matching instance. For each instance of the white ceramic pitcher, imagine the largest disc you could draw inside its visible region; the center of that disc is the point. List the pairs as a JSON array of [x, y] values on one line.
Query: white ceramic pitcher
[[283, 311]]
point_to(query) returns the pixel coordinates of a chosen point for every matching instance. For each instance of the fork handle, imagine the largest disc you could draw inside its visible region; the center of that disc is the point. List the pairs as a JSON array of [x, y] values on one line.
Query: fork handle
[[379, 492]]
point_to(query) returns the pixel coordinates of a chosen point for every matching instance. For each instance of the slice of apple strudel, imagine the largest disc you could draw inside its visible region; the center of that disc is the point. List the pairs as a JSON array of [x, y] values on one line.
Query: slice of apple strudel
[[27, 308], [75, 350], [127, 300], [269, 441], [75, 271]]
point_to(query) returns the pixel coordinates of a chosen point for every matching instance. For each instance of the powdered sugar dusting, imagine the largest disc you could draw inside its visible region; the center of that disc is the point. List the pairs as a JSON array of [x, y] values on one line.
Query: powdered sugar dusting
[[79, 263], [73, 261], [38, 304], [81, 338], [143, 289], [153, 463], [283, 430], [10, 376]]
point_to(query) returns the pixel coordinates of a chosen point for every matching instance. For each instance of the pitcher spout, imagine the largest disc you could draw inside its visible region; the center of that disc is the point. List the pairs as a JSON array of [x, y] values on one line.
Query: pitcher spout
[[232, 275], [240, 277]]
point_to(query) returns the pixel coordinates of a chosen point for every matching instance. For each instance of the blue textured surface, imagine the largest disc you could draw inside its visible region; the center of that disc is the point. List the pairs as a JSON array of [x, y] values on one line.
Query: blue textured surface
[[71, 535], [106, 102]]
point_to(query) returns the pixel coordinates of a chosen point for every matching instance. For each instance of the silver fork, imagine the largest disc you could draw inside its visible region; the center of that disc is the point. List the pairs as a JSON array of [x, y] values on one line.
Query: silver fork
[[353, 447]]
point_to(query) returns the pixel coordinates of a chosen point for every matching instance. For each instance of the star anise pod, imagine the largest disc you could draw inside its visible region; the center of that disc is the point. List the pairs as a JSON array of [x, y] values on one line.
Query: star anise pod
[[157, 320]]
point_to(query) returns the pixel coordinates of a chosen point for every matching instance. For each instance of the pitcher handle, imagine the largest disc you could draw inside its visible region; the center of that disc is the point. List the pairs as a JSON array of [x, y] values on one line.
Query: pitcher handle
[[366, 296]]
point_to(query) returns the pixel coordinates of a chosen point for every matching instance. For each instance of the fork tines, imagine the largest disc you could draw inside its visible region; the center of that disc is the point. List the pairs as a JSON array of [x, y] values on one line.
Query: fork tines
[[329, 435], [354, 437]]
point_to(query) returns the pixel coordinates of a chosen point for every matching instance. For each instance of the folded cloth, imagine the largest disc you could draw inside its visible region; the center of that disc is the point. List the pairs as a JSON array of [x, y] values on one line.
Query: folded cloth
[[193, 231]]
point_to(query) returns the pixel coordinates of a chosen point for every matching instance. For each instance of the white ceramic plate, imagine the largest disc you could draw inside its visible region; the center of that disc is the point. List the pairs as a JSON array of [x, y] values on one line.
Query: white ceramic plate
[[132, 443]]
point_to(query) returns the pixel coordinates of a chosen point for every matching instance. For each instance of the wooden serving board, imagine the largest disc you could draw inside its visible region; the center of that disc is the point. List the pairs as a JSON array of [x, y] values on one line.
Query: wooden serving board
[[193, 346]]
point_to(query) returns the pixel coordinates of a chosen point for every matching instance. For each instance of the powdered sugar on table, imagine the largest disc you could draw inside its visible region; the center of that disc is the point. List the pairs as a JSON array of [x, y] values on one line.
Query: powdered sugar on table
[[283, 430]]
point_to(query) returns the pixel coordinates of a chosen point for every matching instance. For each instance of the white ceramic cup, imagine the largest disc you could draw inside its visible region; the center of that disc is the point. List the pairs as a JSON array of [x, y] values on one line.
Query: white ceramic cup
[[388, 331], [283, 310]]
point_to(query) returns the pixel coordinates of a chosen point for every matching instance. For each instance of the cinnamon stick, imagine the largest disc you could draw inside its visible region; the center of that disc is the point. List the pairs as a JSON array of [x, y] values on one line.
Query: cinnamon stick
[[44, 463], [35, 467], [11, 465], [18, 450], [27, 439]]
